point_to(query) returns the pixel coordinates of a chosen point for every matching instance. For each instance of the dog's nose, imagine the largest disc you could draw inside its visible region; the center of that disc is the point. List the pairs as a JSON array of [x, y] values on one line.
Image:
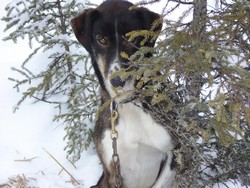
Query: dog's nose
[[117, 82]]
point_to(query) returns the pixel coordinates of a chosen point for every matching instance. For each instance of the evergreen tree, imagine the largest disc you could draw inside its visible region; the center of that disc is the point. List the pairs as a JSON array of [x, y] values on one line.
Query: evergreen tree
[[66, 78], [198, 79]]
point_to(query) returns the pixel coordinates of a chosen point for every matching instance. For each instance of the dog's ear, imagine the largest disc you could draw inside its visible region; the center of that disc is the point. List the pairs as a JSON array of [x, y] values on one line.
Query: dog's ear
[[82, 27], [152, 21]]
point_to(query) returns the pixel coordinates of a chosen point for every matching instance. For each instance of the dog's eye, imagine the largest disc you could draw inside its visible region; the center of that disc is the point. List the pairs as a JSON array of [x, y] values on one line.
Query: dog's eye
[[102, 40]]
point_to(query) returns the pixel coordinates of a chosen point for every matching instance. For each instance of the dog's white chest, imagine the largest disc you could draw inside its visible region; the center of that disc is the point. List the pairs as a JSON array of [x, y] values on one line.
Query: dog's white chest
[[142, 146]]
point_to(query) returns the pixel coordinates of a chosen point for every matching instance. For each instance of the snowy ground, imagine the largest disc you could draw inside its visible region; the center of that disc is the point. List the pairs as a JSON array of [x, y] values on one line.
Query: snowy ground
[[27, 135]]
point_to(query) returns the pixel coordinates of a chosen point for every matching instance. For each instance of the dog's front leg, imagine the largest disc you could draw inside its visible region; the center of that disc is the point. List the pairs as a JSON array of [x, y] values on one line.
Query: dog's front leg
[[167, 175]]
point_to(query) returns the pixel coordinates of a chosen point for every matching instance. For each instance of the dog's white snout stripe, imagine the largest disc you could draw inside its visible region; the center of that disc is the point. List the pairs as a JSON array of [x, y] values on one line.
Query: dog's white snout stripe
[[114, 67]]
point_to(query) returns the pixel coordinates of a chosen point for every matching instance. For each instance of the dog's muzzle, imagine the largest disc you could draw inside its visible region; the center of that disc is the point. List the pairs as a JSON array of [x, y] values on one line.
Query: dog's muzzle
[[117, 82]]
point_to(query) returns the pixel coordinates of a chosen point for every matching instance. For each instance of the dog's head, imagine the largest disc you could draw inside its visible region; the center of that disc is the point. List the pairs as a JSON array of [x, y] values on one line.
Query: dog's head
[[102, 31]]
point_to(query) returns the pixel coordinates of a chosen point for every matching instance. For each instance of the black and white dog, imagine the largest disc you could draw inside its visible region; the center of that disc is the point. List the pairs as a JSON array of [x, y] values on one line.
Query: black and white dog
[[144, 146]]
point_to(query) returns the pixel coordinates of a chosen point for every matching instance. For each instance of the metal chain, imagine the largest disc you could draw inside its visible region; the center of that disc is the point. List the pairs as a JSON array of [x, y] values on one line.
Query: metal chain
[[116, 162], [114, 137]]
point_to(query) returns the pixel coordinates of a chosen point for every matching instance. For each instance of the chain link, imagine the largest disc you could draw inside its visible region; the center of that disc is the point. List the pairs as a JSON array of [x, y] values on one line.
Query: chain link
[[114, 137], [116, 163]]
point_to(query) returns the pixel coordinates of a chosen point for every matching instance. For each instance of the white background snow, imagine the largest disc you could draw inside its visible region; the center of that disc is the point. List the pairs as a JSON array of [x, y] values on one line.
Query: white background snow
[[26, 134]]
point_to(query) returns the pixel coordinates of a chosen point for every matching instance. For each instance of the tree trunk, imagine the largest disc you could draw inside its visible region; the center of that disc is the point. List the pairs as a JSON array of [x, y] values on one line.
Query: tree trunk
[[195, 80], [199, 19]]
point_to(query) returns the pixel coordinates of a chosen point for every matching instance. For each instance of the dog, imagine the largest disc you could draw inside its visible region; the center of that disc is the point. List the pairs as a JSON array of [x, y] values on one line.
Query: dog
[[144, 147]]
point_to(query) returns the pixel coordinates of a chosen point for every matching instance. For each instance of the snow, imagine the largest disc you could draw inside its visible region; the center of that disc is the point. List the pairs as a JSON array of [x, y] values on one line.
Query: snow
[[26, 134], [23, 136], [31, 145]]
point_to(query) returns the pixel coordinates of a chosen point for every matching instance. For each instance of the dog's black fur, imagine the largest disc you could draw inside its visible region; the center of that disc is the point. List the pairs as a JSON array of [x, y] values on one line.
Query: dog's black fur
[[101, 21], [102, 31]]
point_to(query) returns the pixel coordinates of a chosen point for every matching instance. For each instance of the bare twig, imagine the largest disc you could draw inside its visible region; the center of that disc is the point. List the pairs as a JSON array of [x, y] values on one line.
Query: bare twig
[[182, 2], [25, 160], [61, 166]]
